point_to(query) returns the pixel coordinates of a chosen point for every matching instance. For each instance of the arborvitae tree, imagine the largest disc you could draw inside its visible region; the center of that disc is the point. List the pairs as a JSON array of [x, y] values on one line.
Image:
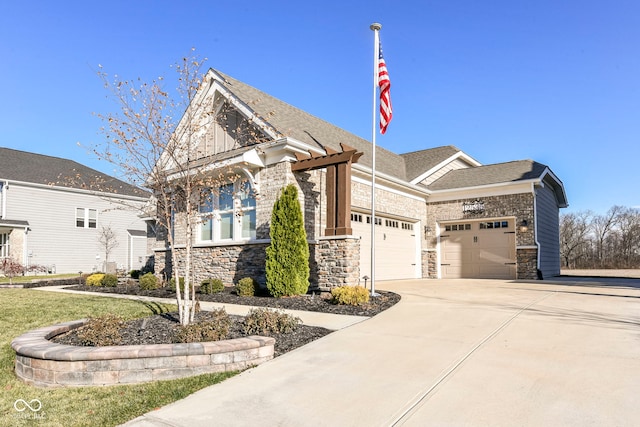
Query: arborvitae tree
[[287, 261]]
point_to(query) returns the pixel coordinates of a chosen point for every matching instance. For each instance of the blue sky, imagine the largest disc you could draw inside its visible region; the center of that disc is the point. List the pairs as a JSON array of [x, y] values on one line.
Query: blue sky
[[556, 82]]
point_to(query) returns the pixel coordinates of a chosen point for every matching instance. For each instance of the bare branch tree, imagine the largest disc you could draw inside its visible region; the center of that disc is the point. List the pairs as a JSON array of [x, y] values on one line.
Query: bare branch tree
[[574, 229], [172, 157], [108, 240]]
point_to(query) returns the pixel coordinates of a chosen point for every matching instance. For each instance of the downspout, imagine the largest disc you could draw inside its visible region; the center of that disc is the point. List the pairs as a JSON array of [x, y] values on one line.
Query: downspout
[[5, 186], [535, 227], [25, 248]]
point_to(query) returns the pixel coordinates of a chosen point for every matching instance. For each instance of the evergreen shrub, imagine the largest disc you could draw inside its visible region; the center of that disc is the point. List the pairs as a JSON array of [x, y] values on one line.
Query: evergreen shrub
[[172, 284], [95, 279], [109, 280], [246, 287], [287, 256], [211, 286], [148, 282], [350, 295]]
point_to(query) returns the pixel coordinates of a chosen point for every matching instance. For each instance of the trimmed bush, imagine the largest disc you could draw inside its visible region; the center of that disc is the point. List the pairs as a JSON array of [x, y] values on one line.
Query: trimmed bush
[[148, 282], [102, 331], [350, 295], [211, 286], [262, 321], [246, 287], [287, 256], [172, 284], [109, 280], [210, 330], [135, 274], [95, 279]]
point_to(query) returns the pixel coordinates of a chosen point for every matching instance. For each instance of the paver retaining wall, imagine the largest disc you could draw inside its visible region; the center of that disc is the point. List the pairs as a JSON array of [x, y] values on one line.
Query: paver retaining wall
[[43, 363]]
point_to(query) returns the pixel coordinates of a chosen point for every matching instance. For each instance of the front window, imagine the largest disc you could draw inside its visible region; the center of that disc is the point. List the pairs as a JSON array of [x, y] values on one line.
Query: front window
[[4, 245], [86, 218], [228, 213]]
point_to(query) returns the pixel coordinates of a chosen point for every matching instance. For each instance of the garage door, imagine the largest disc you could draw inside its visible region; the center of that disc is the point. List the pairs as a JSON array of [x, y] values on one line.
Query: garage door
[[397, 255], [480, 249]]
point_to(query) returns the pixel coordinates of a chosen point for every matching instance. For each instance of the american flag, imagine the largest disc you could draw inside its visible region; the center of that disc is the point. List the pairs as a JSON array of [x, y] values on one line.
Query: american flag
[[385, 95]]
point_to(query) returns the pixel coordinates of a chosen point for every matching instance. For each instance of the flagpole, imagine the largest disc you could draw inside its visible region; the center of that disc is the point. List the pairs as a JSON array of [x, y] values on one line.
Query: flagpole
[[375, 27]]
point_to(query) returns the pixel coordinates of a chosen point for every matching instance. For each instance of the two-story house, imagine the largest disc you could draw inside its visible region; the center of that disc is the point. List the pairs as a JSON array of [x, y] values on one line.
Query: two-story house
[[55, 213]]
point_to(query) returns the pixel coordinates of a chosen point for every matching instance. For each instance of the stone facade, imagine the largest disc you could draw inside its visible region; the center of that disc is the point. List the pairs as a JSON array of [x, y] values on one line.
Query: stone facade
[[519, 206], [527, 261], [332, 261], [335, 262]]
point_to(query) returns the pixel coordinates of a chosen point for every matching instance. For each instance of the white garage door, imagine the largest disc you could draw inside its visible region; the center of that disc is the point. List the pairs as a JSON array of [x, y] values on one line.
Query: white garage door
[[397, 255], [480, 249]]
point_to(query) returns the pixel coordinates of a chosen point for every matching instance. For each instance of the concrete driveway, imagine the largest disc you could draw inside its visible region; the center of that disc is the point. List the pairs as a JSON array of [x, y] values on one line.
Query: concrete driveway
[[451, 353]]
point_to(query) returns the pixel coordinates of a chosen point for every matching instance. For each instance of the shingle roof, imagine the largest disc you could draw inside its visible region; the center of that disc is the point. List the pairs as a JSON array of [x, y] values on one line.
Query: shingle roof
[[16, 165], [520, 170], [302, 126], [418, 162]]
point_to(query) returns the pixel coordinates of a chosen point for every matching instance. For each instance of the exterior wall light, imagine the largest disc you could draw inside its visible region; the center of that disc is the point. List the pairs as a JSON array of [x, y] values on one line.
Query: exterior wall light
[[524, 226]]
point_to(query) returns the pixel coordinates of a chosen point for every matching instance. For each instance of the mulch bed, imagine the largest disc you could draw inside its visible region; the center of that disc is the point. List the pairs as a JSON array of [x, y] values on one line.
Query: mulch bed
[[161, 328], [310, 302]]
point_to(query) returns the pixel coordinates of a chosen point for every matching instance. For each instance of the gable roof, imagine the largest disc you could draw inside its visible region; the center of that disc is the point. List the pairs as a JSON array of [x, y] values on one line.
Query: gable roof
[[292, 122], [417, 162], [285, 120], [520, 170], [16, 165]]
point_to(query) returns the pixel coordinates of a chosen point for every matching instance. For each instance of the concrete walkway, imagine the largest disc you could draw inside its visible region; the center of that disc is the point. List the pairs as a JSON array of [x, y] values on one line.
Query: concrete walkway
[[451, 353], [329, 321]]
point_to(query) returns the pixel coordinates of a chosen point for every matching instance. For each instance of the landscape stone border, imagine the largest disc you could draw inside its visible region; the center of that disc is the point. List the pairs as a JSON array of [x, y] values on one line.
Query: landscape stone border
[[43, 363]]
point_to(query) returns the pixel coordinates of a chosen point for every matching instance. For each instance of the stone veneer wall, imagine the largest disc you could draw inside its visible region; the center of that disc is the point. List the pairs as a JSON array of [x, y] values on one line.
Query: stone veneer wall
[[333, 261], [527, 263], [43, 363], [520, 206], [429, 264]]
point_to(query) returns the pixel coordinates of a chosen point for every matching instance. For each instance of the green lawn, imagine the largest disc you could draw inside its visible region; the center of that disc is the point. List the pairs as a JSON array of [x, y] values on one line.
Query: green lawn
[[29, 279], [24, 309]]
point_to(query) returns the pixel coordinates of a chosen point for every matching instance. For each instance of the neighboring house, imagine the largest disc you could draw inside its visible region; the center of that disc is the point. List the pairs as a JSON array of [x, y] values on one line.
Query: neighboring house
[[439, 212], [53, 212]]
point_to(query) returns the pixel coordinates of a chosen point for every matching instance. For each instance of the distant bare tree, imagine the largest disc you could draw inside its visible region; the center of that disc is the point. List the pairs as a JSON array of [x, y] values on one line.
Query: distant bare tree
[[611, 240], [574, 230], [603, 226], [108, 240]]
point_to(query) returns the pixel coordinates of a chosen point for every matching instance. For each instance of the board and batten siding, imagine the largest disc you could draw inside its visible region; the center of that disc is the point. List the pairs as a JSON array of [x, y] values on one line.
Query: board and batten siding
[[548, 231], [453, 165], [54, 240]]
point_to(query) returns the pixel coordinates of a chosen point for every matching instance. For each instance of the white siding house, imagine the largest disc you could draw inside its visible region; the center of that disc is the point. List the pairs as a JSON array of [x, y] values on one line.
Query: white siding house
[[50, 220]]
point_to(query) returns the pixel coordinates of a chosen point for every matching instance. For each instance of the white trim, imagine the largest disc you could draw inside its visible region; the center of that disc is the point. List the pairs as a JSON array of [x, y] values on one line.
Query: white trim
[[284, 149], [364, 170], [459, 155], [385, 188], [499, 189]]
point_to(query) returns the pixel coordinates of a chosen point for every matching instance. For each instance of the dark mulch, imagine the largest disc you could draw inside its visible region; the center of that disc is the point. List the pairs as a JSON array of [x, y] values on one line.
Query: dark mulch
[[161, 328], [310, 302]]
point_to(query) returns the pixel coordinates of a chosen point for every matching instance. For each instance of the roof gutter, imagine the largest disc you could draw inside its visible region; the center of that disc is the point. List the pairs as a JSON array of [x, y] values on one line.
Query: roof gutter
[[3, 203], [379, 175]]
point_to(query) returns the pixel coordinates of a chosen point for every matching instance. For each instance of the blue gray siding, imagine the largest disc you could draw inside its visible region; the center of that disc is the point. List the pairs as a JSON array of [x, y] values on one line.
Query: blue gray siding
[[548, 232]]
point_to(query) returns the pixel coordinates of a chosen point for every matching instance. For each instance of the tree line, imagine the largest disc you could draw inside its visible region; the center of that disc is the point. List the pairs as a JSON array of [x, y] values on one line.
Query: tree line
[[611, 240]]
